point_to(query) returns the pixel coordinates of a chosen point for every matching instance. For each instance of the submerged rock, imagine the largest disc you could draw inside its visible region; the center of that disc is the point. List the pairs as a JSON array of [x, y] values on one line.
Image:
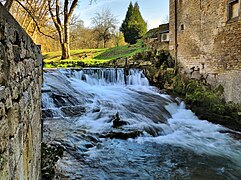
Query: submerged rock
[[233, 134], [47, 113], [121, 135], [64, 99], [73, 110]]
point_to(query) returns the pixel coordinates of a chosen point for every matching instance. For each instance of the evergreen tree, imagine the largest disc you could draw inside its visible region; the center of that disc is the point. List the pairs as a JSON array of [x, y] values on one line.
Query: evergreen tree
[[133, 27]]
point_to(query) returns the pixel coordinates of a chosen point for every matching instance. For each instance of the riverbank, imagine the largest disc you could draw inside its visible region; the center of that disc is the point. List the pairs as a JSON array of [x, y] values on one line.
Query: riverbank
[[205, 101]]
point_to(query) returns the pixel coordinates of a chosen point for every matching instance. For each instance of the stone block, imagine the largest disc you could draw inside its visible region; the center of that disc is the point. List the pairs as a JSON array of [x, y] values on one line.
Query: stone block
[[8, 102], [16, 92], [2, 30], [3, 134], [13, 119], [2, 92], [16, 52], [2, 109], [196, 75]]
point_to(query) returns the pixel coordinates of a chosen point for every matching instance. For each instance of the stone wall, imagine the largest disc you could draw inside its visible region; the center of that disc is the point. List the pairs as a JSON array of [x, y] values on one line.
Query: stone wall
[[206, 42], [20, 102]]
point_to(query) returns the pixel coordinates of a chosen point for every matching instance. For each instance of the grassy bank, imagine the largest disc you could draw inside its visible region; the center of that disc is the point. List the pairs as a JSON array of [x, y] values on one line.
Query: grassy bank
[[78, 58], [91, 57]]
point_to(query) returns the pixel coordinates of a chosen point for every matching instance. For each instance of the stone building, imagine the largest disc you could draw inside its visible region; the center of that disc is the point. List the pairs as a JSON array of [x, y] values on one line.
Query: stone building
[[205, 40], [20, 102], [158, 38], [163, 33]]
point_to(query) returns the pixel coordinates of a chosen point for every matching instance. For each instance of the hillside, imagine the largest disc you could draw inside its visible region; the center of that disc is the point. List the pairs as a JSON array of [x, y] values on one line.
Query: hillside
[[90, 57]]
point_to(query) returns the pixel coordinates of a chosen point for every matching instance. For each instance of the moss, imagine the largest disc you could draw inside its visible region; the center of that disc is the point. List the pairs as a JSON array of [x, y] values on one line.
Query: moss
[[206, 102], [178, 85]]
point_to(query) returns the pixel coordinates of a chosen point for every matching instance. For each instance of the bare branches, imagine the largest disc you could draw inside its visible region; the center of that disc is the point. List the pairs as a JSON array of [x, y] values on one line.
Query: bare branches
[[73, 6], [104, 25], [33, 18]]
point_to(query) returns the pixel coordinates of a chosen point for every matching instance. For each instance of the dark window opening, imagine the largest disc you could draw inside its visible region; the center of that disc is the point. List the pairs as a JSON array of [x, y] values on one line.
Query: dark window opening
[[233, 9], [182, 27]]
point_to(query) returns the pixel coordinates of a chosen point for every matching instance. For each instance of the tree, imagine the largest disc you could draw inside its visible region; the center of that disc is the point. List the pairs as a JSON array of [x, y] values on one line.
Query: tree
[[62, 27], [119, 39], [133, 27], [32, 15], [81, 36], [104, 26]]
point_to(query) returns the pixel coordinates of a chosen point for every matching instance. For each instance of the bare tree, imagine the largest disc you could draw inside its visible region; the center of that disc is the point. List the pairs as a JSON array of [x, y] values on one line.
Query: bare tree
[[62, 27], [32, 15], [61, 16], [104, 25]]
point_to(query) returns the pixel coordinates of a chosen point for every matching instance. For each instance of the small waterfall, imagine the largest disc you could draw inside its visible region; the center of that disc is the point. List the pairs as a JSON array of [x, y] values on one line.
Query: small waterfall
[[109, 76], [137, 77], [162, 139]]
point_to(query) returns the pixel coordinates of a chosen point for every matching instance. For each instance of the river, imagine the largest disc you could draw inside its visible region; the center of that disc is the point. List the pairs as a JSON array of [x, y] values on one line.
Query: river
[[113, 126]]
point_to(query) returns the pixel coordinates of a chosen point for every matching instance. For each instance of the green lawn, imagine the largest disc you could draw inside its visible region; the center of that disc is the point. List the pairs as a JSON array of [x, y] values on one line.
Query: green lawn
[[90, 57]]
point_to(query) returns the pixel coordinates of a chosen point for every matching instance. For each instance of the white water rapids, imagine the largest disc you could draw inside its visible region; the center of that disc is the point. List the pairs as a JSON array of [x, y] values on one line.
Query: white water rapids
[[159, 139]]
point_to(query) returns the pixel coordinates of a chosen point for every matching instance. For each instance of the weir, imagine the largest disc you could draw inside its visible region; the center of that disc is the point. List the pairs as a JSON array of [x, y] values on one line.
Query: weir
[[108, 76], [112, 130]]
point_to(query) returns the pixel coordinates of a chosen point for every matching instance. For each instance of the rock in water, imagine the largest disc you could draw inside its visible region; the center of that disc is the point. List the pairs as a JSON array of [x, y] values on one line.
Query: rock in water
[[117, 122], [73, 110]]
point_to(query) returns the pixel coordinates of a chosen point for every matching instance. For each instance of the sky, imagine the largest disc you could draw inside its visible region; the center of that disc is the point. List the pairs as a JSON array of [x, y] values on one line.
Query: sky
[[154, 12]]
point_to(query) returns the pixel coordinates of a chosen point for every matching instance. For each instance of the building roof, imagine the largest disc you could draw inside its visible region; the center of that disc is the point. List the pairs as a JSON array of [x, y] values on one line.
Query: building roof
[[164, 28]]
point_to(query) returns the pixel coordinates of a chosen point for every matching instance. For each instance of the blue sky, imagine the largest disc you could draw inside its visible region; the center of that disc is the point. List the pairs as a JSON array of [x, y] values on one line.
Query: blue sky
[[154, 12]]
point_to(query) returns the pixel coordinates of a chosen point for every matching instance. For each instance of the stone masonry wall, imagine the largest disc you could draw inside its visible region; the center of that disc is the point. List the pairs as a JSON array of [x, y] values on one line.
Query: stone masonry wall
[[20, 102], [188, 30], [208, 43]]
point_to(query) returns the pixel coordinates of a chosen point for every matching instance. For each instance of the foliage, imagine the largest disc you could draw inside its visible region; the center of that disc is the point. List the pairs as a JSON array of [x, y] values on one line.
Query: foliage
[[119, 39], [202, 97], [133, 27], [199, 93], [161, 59], [32, 16]]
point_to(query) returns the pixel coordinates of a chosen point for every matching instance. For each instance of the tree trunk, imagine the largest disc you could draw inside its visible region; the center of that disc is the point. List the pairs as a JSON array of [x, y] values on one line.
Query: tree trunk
[[65, 51], [63, 32], [105, 42]]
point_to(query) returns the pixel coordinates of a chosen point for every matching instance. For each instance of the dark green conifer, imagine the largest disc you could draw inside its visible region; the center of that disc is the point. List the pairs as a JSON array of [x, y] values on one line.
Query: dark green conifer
[[133, 27]]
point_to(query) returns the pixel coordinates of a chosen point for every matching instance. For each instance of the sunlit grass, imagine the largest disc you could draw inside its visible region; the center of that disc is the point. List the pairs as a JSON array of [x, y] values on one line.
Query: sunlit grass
[[76, 55], [90, 57]]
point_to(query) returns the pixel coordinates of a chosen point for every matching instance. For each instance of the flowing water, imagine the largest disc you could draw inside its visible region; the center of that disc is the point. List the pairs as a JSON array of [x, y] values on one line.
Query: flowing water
[[156, 137]]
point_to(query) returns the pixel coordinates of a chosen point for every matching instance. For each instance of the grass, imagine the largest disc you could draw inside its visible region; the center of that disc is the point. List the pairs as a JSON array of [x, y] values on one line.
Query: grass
[[76, 55], [121, 51], [90, 57]]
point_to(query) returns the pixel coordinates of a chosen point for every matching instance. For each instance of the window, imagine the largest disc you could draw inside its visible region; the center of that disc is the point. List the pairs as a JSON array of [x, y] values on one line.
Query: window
[[233, 9], [182, 27]]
